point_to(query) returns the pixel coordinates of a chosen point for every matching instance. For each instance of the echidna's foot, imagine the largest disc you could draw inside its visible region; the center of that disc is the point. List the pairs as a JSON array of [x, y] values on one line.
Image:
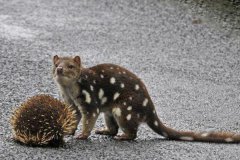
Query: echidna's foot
[[125, 137], [82, 136], [105, 131]]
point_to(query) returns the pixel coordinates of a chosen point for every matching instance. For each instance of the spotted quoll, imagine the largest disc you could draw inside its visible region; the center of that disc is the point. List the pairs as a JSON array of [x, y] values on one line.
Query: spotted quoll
[[123, 99]]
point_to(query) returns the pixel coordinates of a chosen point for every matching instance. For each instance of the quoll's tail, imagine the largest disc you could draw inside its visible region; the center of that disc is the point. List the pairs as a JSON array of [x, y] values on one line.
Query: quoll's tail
[[218, 137]]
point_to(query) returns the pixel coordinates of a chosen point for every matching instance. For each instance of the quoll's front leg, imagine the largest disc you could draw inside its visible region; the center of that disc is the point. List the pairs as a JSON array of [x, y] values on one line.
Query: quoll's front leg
[[88, 122]]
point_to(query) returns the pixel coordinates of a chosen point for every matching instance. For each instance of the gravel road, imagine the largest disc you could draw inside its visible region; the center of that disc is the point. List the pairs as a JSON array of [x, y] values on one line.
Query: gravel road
[[186, 52]]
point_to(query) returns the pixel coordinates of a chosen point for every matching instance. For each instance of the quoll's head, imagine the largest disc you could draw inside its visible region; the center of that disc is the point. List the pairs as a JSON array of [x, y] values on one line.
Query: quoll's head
[[66, 69]]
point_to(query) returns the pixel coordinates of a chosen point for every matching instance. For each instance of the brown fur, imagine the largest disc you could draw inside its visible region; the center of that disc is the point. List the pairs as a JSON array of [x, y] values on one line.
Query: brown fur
[[123, 99]]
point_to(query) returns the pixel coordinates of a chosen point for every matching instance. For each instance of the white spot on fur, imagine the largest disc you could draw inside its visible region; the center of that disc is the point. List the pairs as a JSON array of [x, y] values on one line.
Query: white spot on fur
[[124, 103], [186, 138], [103, 100], [111, 67], [87, 96], [100, 93], [116, 95], [122, 85], [204, 134], [117, 111], [100, 96], [229, 139], [86, 76], [102, 76], [154, 112], [94, 81], [112, 80], [80, 80], [129, 116], [129, 108], [155, 123], [103, 71], [136, 87], [94, 114], [91, 87], [130, 98], [97, 110], [145, 102], [124, 72]]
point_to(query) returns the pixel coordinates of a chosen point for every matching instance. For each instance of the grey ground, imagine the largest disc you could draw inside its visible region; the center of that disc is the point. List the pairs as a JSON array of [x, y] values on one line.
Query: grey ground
[[187, 53]]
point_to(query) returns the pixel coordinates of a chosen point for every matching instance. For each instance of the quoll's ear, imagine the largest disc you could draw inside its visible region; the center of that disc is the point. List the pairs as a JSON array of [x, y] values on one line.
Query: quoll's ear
[[55, 59], [77, 60]]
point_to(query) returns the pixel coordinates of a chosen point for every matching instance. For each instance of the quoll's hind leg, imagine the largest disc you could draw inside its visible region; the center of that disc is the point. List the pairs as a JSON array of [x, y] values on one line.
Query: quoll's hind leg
[[111, 125], [127, 121]]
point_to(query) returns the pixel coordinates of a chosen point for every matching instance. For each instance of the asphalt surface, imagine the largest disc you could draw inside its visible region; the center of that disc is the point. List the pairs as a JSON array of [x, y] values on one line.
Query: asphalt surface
[[187, 53]]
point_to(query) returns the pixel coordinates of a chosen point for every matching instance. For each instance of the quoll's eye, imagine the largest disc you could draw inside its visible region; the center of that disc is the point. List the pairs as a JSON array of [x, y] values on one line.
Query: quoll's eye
[[71, 66], [56, 65]]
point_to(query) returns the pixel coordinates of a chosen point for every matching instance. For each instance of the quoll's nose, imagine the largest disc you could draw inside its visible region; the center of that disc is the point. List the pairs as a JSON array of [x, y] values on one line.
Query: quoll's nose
[[59, 70]]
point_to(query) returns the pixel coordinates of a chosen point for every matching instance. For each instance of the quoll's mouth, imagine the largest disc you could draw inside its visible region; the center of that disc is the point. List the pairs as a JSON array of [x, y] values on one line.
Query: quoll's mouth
[[61, 76], [59, 73]]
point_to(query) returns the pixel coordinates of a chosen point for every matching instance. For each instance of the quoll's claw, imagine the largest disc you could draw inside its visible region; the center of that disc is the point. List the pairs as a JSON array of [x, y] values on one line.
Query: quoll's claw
[[105, 131], [82, 136], [100, 131], [124, 137]]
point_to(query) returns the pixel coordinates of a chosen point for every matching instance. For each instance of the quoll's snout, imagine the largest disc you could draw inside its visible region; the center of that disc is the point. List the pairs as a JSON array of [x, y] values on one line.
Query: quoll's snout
[[59, 70]]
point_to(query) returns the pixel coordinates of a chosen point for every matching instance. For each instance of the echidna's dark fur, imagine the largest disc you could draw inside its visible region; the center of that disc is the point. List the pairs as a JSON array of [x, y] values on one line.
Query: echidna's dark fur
[[43, 120]]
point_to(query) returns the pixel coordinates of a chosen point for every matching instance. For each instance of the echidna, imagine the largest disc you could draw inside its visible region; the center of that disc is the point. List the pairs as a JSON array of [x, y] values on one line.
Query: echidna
[[43, 120]]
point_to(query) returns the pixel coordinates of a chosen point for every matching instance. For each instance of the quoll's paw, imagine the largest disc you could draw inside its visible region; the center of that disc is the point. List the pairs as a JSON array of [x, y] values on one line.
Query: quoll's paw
[[125, 137], [105, 131], [82, 136]]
